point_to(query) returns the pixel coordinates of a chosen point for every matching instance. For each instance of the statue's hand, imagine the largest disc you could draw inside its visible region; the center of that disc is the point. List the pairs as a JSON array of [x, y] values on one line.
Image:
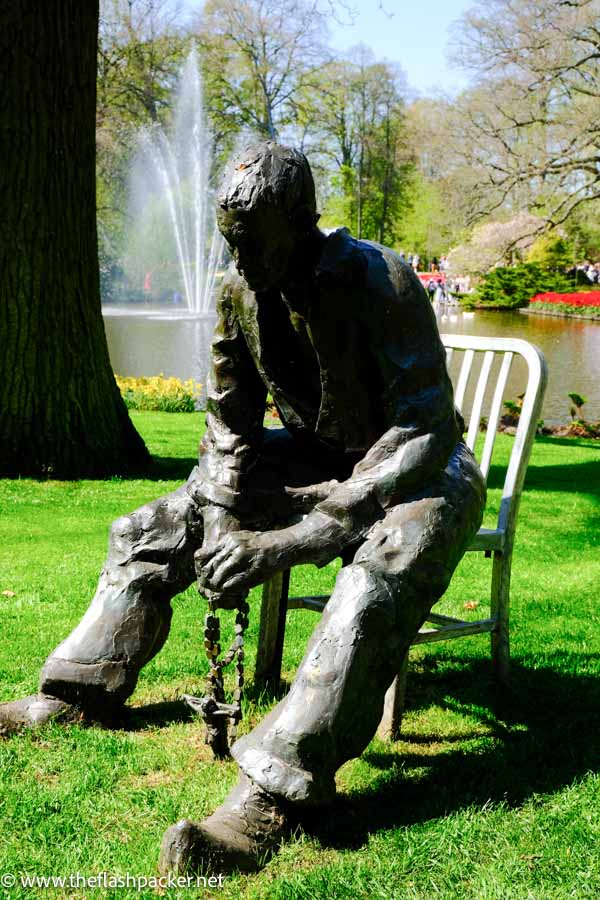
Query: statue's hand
[[305, 498], [237, 561], [241, 560]]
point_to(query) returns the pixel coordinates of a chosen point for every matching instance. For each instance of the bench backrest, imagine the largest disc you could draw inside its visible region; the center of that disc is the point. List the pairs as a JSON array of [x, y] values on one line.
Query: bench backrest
[[479, 367]]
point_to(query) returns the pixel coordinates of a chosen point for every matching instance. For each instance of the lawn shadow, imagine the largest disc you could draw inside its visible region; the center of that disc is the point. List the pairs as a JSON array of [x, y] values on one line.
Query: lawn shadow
[[154, 715], [542, 737], [256, 701], [583, 477], [160, 468], [538, 738], [587, 443], [166, 468]]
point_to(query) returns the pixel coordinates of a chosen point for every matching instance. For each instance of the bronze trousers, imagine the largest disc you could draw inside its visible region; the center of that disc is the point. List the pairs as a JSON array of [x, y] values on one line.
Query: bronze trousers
[[379, 602]]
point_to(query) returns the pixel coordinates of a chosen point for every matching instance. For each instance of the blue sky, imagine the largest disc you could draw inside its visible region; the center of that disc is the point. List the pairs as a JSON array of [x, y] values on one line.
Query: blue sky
[[414, 33]]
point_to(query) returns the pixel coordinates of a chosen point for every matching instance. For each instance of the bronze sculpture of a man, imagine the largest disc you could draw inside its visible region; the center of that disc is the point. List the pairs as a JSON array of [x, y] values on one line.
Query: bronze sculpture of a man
[[370, 462]]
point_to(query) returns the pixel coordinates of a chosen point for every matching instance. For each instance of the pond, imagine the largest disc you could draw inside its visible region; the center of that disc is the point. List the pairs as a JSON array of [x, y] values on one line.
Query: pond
[[571, 348], [161, 343], [179, 345]]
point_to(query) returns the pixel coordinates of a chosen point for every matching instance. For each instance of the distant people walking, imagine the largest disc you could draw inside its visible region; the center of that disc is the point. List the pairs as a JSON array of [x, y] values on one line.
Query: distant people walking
[[440, 295]]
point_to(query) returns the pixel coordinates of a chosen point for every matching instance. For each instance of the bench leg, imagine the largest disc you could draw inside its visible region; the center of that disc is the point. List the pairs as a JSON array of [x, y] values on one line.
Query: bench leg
[[391, 721], [271, 634], [500, 609]]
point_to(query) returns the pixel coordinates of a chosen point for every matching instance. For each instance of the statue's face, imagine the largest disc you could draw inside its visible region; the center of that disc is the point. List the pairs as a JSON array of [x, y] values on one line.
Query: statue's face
[[262, 242]]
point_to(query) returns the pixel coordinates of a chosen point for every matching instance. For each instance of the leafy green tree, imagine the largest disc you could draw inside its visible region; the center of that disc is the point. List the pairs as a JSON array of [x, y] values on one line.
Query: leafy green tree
[[441, 191], [551, 251], [360, 110], [259, 57], [531, 127], [583, 230], [423, 227]]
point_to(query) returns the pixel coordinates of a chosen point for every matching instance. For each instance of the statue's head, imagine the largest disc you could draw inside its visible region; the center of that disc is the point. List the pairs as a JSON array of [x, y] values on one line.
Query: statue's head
[[266, 209]]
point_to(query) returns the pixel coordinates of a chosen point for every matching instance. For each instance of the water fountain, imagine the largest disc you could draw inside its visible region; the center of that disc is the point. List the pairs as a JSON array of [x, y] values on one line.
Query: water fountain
[[174, 251], [174, 233], [174, 247]]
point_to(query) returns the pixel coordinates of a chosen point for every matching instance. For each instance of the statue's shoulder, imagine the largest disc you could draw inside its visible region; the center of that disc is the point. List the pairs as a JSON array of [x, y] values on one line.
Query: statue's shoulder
[[342, 257], [231, 291], [231, 283], [368, 265]]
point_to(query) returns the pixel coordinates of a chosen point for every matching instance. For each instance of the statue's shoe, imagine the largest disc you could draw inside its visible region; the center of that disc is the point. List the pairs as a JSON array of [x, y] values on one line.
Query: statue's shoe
[[241, 835], [35, 710]]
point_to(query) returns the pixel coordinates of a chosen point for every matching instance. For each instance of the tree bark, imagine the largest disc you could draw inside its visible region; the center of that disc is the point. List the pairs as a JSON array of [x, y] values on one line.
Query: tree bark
[[61, 413]]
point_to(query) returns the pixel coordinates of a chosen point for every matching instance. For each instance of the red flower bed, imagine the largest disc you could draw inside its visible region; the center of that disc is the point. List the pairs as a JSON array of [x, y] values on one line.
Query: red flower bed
[[583, 298]]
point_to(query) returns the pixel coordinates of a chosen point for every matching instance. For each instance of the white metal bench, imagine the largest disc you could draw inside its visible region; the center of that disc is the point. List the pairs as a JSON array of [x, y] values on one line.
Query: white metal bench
[[482, 366]]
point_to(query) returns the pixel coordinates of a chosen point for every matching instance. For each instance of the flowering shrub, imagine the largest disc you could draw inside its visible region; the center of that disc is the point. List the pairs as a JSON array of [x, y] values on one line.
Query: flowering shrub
[[587, 302], [159, 393], [490, 244]]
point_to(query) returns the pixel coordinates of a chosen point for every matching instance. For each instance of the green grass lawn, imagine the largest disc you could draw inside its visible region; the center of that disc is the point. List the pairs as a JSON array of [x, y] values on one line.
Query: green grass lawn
[[482, 798]]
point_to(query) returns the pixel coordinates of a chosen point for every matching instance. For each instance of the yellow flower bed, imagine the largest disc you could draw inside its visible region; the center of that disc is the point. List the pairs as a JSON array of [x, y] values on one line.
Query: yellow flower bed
[[156, 392]]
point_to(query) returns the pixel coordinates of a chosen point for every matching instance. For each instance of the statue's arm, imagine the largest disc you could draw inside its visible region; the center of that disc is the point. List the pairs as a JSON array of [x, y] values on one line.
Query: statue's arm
[[404, 459], [235, 409], [401, 462]]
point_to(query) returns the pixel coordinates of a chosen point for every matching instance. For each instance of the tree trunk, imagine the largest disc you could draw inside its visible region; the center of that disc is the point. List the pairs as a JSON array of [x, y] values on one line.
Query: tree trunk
[[60, 410], [386, 179]]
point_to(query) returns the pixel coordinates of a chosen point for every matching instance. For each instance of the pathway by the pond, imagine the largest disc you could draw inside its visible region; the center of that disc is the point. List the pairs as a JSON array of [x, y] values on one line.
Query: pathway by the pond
[[179, 345]]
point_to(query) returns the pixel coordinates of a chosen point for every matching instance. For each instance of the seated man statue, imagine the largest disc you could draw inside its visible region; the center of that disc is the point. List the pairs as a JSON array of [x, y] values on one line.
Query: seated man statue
[[370, 462]]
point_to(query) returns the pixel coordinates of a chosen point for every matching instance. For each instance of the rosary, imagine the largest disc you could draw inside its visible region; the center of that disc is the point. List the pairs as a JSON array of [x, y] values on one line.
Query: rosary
[[220, 718]]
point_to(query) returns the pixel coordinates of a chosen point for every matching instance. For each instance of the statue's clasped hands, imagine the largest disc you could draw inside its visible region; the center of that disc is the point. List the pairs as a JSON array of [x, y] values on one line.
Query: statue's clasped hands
[[238, 561], [229, 563]]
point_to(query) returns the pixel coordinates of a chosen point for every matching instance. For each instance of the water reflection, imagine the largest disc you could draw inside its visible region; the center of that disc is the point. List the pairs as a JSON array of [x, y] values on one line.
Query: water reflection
[[181, 347]]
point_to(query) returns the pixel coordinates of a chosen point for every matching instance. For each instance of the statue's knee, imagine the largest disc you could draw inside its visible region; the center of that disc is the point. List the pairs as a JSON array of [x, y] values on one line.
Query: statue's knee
[[124, 534], [362, 599]]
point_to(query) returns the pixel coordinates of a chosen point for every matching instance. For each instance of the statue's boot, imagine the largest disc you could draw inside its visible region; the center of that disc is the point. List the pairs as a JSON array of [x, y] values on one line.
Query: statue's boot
[[242, 834], [35, 710]]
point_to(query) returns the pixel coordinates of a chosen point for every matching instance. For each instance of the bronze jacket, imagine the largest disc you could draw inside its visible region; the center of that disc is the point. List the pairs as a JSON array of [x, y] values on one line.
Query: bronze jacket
[[360, 370]]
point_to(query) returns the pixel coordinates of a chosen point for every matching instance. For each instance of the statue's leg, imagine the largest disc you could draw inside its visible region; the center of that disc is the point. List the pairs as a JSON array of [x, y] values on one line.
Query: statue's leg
[[150, 559], [377, 606], [334, 706]]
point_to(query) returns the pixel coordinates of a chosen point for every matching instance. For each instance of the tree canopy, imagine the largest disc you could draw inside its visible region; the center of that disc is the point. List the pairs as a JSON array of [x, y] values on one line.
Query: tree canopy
[[531, 125], [418, 173]]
